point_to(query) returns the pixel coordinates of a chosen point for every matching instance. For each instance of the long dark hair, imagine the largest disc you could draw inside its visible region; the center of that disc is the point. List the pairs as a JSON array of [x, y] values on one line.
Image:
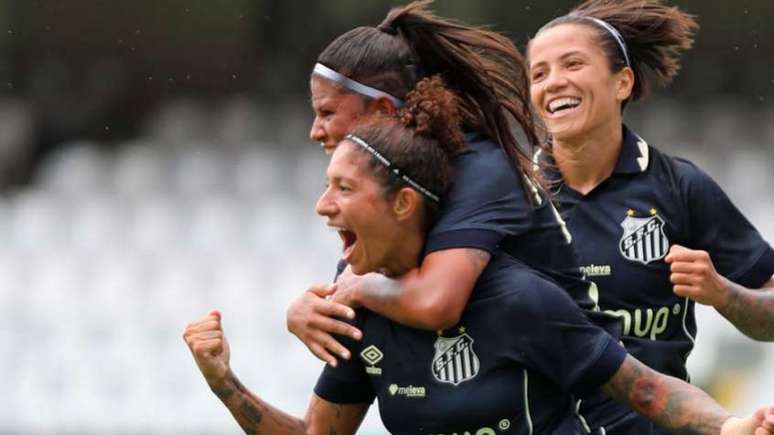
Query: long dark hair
[[655, 36], [425, 133], [484, 69]]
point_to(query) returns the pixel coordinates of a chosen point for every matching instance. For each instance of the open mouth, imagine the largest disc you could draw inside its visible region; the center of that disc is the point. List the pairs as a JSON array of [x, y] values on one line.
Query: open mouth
[[349, 240], [563, 105], [328, 149]]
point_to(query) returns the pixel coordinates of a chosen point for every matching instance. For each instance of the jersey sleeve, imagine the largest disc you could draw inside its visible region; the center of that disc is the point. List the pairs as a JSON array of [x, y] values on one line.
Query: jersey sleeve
[[557, 339], [485, 204], [737, 249], [348, 381]]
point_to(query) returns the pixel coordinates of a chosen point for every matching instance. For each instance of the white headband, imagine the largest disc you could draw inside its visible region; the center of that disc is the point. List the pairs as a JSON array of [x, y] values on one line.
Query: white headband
[[395, 171], [616, 35], [353, 85]]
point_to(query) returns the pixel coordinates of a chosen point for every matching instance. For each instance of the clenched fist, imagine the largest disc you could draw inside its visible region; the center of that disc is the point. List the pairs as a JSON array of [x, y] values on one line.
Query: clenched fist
[[209, 347]]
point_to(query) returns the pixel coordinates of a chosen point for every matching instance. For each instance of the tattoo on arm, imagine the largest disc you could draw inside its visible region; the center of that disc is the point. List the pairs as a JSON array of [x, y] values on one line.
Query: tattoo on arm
[[751, 311], [669, 402], [250, 411], [331, 418]]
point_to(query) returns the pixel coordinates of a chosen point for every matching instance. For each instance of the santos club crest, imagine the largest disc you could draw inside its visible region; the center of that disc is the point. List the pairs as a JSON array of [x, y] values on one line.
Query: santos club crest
[[643, 239], [454, 361]]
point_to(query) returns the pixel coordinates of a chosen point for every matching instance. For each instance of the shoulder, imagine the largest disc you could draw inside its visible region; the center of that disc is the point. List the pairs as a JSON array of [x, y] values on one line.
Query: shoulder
[[680, 169], [482, 154], [519, 288]]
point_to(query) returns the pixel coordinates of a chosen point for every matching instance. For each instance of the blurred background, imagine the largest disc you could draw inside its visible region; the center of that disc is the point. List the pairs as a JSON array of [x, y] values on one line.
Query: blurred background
[[154, 164]]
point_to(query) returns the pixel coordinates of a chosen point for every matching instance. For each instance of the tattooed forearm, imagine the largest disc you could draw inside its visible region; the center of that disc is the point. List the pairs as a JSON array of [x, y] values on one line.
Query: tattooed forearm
[[669, 402], [751, 311], [334, 418], [253, 414]]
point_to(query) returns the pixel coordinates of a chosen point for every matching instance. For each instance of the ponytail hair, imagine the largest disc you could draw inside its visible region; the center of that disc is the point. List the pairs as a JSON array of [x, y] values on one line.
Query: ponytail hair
[[484, 69], [416, 146], [654, 35]]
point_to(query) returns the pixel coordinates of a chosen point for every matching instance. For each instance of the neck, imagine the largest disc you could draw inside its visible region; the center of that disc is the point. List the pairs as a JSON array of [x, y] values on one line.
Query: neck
[[407, 248], [587, 161]]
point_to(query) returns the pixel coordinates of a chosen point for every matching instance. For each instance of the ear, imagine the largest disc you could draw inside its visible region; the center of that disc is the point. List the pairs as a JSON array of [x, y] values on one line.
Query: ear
[[381, 105], [406, 203], [625, 84]]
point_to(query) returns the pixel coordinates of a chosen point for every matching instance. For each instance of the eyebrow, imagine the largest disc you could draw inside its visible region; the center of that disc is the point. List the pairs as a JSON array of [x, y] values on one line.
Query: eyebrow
[[562, 57]]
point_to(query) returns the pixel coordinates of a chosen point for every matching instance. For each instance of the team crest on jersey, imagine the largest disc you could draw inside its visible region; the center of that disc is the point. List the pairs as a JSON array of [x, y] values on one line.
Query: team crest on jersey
[[644, 239], [455, 361]]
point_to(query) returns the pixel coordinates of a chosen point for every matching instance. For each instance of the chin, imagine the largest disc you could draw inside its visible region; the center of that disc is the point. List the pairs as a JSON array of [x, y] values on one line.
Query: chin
[[359, 269], [565, 131]]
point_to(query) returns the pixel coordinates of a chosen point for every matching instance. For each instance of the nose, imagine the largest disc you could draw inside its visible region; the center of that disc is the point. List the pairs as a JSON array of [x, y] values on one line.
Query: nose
[[325, 205], [555, 80], [317, 133]]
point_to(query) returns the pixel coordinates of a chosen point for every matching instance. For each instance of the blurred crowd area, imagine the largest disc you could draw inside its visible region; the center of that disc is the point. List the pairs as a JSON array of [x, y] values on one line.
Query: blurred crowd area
[[111, 251], [154, 165]]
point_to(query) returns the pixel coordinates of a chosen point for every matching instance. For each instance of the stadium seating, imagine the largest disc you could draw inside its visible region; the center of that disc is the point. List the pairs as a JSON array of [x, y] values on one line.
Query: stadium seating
[[112, 251]]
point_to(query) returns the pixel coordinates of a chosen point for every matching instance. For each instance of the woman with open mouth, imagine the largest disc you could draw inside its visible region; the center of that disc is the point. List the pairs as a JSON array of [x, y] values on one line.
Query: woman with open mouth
[[512, 364], [495, 202]]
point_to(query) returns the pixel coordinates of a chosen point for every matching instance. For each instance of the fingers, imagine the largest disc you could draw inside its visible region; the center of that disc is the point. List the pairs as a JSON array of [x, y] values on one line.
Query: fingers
[[333, 326], [768, 422], [313, 301], [207, 324], [205, 327], [674, 251], [688, 267], [683, 278], [329, 344], [335, 309], [322, 354], [206, 347], [323, 290], [681, 253], [685, 290]]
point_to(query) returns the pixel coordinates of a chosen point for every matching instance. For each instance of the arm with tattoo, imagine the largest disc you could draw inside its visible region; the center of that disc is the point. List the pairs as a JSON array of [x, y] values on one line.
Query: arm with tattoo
[[751, 311], [256, 416], [669, 402], [431, 297], [211, 353], [253, 414], [693, 275]]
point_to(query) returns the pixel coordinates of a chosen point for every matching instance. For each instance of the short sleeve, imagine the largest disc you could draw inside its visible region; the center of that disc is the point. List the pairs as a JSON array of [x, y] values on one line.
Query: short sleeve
[[348, 381], [485, 204], [737, 249], [557, 340]]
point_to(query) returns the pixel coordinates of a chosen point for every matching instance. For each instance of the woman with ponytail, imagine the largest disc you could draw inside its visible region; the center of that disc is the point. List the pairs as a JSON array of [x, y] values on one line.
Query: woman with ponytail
[[494, 203], [654, 232], [520, 351]]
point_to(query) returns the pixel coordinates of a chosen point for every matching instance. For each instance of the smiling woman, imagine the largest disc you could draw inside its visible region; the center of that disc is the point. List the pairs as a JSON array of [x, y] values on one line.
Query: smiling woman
[[662, 232]]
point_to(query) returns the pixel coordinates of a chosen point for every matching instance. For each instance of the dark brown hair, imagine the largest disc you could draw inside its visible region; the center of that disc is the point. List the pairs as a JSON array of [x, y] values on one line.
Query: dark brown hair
[[484, 69], [655, 35], [421, 141]]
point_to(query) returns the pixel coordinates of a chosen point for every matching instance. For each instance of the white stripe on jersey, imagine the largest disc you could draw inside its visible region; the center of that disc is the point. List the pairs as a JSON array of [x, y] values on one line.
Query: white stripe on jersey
[[526, 403], [687, 334]]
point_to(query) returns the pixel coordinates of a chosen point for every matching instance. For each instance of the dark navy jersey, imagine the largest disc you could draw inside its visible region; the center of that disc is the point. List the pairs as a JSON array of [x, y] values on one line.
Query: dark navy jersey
[[623, 230], [521, 349], [487, 208]]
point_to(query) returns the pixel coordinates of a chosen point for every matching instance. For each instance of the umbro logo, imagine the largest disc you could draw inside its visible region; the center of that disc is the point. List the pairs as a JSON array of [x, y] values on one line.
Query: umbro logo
[[372, 355]]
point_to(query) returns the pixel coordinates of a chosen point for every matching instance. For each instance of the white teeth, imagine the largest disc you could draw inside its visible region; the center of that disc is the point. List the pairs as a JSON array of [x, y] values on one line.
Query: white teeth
[[567, 102]]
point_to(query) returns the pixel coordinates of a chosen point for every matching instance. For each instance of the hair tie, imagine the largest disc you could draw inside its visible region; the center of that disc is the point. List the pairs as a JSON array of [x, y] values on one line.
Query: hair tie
[[354, 85], [616, 35], [392, 169]]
